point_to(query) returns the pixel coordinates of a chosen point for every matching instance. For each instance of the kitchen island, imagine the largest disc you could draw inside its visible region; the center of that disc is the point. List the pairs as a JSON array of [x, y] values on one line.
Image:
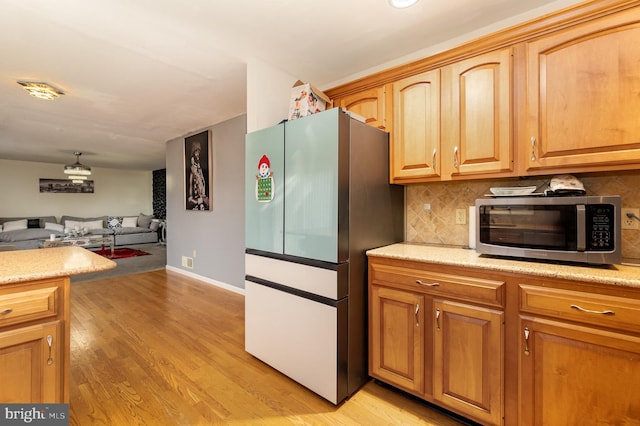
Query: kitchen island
[[506, 341], [34, 320]]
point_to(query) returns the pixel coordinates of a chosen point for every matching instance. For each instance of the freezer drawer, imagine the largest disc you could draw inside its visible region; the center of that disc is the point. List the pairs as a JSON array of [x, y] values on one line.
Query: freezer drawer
[[297, 336], [331, 283]]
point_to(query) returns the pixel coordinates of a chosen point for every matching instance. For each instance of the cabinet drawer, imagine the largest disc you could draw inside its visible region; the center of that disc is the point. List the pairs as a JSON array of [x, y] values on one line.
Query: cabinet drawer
[[27, 305], [473, 289], [590, 308]]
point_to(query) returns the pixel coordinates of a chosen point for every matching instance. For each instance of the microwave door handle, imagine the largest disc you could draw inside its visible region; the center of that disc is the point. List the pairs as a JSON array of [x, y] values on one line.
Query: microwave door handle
[[581, 228]]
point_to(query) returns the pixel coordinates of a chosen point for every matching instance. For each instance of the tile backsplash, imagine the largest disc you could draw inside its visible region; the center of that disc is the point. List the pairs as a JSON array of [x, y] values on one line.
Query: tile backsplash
[[438, 225]]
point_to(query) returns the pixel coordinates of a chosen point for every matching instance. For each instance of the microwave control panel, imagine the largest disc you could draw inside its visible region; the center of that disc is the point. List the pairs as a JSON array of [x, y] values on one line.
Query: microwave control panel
[[601, 221]]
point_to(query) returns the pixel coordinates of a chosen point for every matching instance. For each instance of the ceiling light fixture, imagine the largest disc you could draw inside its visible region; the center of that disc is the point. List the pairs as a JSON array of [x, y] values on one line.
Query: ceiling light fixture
[[41, 90], [77, 172], [402, 4]]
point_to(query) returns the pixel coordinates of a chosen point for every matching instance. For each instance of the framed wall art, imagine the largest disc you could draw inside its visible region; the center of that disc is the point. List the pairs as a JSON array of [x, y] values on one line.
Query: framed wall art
[[65, 186], [198, 172]]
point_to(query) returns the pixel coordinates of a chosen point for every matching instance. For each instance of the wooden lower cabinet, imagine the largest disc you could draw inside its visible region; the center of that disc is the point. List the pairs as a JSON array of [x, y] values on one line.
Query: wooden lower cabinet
[[34, 341], [397, 338], [30, 364], [446, 351], [577, 375], [506, 347], [468, 359]]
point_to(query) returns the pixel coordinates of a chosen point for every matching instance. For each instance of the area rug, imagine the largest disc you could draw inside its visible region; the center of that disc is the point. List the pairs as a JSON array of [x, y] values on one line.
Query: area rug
[[120, 253]]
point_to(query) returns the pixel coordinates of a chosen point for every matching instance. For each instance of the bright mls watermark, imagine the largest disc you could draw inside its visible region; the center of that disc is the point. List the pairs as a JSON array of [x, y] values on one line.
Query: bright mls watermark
[[34, 414]]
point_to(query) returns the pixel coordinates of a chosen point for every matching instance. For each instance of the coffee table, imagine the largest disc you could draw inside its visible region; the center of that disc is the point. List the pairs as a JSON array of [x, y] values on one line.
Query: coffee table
[[86, 241]]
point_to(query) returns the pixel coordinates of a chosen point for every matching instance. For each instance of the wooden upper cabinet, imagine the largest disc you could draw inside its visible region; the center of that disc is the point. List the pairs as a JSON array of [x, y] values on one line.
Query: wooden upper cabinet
[[416, 127], [369, 104], [583, 97], [476, 116]]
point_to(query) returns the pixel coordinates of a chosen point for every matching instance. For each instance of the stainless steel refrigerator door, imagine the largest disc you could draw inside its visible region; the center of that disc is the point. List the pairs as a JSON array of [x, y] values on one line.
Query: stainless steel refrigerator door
[[312, 186], [264, 216]]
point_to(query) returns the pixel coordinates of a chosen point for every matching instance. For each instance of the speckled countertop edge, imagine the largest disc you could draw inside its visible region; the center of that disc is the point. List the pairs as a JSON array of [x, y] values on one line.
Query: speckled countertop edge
[[26, 265], [620, 275]]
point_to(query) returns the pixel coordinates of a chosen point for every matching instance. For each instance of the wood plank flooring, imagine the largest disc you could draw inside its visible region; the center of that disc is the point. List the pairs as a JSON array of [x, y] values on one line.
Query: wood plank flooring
[[159, 348]]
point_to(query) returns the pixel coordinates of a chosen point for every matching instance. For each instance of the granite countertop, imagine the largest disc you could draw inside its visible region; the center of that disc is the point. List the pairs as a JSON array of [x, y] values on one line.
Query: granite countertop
[[621, 275], [25, 265]]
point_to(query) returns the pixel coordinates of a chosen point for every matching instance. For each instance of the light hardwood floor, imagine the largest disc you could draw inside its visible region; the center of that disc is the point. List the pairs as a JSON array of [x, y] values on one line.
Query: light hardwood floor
[[159, 348]]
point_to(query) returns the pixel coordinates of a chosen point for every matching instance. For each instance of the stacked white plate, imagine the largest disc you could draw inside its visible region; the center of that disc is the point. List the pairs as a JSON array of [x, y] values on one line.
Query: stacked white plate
[[517, 191]]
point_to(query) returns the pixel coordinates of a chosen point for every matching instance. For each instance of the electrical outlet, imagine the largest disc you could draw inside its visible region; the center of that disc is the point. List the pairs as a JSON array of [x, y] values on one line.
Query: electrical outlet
[[630, 222], [461, 217], [187, 262]]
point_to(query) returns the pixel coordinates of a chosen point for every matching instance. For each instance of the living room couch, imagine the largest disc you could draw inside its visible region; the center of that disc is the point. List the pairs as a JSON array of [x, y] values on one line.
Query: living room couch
[[28, 232]]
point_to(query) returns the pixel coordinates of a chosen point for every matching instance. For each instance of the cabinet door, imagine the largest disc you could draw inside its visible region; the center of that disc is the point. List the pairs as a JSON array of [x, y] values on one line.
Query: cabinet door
[[369, 104], [416, 126], [468, 359], [476, 116], [582, 97], [29, 366], [396, 338], [576, 375]]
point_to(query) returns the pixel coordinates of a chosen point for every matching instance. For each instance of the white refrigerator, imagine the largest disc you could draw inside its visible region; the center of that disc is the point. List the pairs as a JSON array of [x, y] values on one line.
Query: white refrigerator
[[317, 197]]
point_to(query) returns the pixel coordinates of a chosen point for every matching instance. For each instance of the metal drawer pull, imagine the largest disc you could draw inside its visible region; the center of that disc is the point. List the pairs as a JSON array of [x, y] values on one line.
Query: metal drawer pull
[[526, 341], [417, 309], [428, 285], [6, 311], [49, 342], [581, 309], [438, 319], [455, 157]]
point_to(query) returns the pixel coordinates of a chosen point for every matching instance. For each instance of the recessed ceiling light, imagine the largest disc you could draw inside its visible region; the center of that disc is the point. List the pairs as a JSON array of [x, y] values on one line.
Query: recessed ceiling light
[[402, 4], [41, 90]]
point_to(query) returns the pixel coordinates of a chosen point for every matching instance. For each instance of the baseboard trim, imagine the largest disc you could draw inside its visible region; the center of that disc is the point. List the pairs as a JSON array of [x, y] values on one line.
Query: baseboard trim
[[206, 280]]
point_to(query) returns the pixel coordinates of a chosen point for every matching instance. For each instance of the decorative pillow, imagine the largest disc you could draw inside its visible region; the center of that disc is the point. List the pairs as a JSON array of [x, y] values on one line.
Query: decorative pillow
[[114, 222], [93, 224], [15, 225], [33, 223], [54, 227], [144, 221], [155, 224], [129, 222], [73, 224]]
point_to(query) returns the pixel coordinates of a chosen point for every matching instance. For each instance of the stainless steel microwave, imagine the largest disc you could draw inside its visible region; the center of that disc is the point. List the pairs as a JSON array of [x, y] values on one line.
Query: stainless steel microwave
[[582, 229]]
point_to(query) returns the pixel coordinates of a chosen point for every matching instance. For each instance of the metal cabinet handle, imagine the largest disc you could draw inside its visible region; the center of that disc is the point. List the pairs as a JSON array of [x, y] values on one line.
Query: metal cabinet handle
[[526, 340], [6, 311], [427, 285], [50, 343], [438, 319], [455, 156], [533, 148], [589, 311], [434, 159], [417, 309]]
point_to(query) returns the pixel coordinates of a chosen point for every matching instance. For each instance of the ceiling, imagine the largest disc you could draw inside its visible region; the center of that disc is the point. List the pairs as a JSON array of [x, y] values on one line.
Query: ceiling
[[138, 73]]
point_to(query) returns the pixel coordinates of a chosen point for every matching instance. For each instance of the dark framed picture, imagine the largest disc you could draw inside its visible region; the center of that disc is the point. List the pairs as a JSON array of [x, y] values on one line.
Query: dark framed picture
[[66, 186], [198, 172]]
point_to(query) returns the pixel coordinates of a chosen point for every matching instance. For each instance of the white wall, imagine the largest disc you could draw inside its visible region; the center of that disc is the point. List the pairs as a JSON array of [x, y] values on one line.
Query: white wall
[[117, 192], [268, 90]]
